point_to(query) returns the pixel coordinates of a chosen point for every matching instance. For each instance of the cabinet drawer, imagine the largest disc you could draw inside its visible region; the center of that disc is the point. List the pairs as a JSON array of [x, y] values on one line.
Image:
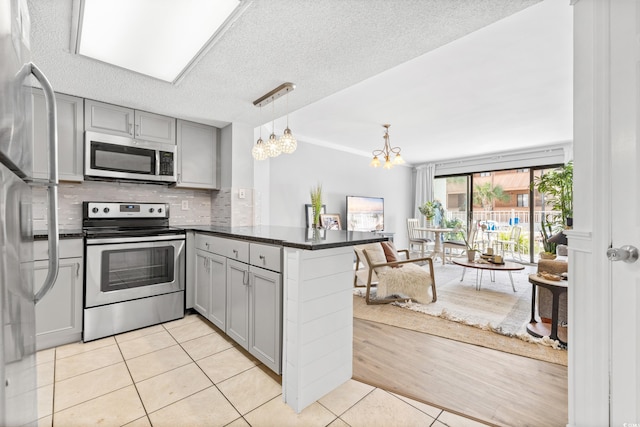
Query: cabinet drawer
[[265, 256], [235, 249], [208, 243], [68, 248], [230, 248]]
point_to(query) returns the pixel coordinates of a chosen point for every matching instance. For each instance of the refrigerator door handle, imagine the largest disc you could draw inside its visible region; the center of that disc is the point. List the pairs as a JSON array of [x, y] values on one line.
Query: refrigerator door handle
[[52, 184]]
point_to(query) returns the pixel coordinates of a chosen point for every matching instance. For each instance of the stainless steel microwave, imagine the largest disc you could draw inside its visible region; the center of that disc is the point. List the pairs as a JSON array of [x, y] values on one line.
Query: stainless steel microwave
[[116, 157]]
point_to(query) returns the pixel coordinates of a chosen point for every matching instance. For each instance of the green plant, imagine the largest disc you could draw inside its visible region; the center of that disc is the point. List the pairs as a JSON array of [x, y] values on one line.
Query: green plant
[[428, 209], [316, 203], [557, 186], [485, 194], [547, 232], [433, 209]]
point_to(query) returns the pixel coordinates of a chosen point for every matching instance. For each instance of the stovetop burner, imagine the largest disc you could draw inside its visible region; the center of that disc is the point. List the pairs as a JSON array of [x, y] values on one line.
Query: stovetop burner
[[125, 219], [99, 232]]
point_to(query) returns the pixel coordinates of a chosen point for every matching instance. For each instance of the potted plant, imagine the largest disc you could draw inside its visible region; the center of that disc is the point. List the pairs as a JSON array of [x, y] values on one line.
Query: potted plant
[[428, 210], [549, 247], [470, 247], [557, 186], [316, 204], [432, 209]]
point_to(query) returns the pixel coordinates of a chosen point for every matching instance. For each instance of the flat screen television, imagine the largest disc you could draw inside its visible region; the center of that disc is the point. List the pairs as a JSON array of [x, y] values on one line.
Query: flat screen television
[[365, 213]]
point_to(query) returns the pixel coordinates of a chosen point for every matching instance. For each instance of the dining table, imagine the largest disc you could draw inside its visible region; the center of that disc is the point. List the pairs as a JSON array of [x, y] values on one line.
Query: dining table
[[437, 245]]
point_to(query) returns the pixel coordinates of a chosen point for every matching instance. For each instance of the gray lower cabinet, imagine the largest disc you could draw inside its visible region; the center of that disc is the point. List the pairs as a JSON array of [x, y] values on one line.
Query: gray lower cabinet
[[238, 302], [59, 313], [70, 137], [202, 287], [210, 287], [265, 316], [241, 298]]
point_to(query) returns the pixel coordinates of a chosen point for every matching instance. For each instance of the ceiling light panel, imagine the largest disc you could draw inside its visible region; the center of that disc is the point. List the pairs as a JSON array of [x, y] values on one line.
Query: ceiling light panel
[[158, 38]]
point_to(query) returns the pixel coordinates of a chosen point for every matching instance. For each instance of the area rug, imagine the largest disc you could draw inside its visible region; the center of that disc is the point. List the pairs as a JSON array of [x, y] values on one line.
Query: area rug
[[493, 317]]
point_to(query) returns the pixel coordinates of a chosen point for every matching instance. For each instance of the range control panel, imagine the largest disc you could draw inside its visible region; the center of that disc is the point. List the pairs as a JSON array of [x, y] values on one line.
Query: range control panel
[[113, 210]]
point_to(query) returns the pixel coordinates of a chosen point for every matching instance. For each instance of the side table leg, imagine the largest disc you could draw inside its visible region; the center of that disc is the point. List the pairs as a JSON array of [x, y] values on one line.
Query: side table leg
[[533, 304], [464, 269]]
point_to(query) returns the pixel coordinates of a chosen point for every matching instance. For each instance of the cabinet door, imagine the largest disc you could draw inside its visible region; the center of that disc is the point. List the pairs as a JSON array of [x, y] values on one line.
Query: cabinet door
[[197, 155], [218, 307], [265, 317], [154, 127], [70, 137], [108, 118], [59, 313], [238, 302], [202, 288]]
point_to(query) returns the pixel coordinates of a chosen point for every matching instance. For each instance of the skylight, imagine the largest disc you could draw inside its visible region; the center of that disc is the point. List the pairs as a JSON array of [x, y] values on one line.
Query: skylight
[[159, 38]]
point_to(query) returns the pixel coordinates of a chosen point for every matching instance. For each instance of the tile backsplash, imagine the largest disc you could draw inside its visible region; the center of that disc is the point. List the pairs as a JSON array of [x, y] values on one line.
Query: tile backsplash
[[71, 196]]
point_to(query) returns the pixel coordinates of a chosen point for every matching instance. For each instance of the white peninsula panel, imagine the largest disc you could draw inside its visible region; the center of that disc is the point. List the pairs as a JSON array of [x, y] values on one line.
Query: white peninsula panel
[[318, 323]]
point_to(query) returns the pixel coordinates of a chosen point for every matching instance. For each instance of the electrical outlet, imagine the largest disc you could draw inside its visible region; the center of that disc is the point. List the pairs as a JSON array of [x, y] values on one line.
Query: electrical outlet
[[185, 205], [241, 193]]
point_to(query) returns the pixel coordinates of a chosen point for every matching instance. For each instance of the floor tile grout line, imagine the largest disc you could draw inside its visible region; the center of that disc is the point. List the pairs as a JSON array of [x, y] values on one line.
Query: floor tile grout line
[[135, 386]]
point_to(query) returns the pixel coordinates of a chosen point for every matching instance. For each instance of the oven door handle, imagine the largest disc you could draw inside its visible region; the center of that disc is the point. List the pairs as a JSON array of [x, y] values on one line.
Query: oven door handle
[[115, 240]]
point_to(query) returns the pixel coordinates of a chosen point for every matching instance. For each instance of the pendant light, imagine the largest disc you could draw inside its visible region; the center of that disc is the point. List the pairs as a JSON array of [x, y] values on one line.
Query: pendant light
[[273, 147], [288, 143], [259, 151]]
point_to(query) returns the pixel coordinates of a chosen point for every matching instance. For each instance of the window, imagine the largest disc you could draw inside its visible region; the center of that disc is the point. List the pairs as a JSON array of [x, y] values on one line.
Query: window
[[485, 173], [523, 200], [522, 170]]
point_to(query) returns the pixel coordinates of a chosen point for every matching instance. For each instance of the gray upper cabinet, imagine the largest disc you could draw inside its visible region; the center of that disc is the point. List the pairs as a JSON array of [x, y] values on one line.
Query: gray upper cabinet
[[70, 137], [197, 155], [122, 121]]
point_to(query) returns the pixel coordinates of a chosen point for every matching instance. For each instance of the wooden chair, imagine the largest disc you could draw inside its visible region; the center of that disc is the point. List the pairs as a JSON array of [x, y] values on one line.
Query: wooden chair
[[371, 267], [415, 236], [512, 243], [459, 244]]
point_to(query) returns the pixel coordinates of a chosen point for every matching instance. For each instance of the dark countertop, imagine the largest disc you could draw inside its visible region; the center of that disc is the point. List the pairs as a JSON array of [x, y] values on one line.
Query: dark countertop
[[63, 234], [292, 237]]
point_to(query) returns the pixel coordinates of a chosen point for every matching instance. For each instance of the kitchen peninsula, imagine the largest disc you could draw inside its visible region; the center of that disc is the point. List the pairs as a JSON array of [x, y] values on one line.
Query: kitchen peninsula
[[286, 297]]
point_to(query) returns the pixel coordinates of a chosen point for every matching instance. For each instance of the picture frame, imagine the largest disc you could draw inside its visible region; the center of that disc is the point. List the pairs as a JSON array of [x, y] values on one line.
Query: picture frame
[[308, 213], [330, 221]]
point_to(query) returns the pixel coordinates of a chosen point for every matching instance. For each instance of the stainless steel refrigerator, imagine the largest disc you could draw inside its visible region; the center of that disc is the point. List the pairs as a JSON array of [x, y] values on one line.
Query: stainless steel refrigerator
[[18, 396]]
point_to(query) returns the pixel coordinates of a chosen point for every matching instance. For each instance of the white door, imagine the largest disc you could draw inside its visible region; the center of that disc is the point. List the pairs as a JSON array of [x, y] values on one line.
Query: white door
[[604, 296], [625, 211]]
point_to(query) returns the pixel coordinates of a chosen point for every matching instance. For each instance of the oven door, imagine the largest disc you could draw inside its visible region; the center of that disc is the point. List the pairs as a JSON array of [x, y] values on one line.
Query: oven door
[[123, 269]]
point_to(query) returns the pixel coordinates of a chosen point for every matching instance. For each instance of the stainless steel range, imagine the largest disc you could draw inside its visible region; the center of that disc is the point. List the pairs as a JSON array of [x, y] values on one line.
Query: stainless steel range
[[134, 267]]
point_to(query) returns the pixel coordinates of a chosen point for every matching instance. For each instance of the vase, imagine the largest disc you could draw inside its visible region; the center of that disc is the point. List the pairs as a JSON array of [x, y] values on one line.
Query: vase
[[471, 254], [429, 223]]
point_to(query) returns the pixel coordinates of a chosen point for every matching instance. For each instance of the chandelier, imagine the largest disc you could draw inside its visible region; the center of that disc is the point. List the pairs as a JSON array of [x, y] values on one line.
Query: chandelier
[[386, 152], [274, 145]]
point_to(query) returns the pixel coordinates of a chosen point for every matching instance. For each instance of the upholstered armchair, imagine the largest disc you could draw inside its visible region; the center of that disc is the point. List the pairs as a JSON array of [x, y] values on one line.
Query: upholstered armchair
[[395, 275]]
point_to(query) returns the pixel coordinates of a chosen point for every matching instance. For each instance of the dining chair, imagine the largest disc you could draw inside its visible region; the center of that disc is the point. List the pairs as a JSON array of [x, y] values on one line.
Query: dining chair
[[511, 244], [459, 244], [416, 237]]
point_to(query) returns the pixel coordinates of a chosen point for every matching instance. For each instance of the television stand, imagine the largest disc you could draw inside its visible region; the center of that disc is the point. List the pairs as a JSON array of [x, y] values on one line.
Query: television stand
[[386, 234]]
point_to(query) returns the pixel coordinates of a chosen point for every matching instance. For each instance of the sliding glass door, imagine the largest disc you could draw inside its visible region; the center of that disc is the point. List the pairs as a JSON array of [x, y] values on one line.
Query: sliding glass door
[[498, 202]]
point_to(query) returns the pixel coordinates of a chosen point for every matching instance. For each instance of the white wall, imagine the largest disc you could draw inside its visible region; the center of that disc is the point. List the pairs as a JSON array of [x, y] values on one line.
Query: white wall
[[291, 177]]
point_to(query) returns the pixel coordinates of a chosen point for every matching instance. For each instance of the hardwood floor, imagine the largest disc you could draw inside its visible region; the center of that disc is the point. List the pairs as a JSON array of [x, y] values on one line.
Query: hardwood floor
[[488, 385]]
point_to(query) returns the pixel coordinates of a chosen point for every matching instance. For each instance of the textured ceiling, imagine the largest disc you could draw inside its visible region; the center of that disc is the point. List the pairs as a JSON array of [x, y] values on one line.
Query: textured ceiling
[[357, 64]]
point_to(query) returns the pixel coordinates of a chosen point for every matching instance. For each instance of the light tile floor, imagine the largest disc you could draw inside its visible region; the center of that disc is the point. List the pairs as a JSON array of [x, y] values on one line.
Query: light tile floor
[[187, 373]]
